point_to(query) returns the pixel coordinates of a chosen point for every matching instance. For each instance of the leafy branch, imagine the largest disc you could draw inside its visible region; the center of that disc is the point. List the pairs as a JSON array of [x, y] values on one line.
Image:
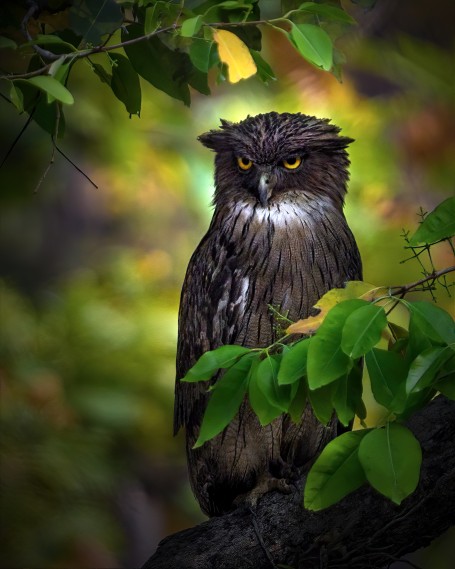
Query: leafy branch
[[409, 355]]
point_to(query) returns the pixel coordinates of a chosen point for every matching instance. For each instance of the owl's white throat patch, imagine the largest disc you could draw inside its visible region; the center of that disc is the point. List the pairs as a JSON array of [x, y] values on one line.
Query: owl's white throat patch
[[283, 213]]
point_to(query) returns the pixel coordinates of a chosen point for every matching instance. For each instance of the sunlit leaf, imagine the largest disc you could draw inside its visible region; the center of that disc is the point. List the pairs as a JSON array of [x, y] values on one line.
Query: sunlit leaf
[[326, 359], [225, 400], [235, 54], [353, 289], [313, 43], [336, 473], [125, 83], [438, 224], [363, 329], [391, 459], [51, 87], [213, 360]]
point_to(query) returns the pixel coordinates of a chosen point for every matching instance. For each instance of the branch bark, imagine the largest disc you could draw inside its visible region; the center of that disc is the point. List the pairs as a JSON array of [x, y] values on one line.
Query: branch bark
[[363, 530]]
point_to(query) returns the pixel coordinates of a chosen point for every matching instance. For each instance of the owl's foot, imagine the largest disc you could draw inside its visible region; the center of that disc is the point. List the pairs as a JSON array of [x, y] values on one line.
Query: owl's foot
[[282, 469], [265, 483]]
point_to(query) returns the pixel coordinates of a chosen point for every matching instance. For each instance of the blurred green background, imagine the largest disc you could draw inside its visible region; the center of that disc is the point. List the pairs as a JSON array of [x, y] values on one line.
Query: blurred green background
[[90, 278]]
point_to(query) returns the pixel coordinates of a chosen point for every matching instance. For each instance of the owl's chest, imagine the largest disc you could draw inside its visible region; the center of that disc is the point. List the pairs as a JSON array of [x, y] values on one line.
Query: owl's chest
[[275, 257]]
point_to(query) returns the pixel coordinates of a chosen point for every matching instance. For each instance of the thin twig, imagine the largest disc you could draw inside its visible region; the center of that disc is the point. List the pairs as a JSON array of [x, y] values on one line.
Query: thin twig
[[51, 161], [106, 48], [34, 8], [18, 137], [75, 166]]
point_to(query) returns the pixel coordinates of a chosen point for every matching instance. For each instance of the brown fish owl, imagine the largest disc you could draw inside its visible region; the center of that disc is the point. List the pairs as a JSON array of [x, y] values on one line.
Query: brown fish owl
[[278, 237]]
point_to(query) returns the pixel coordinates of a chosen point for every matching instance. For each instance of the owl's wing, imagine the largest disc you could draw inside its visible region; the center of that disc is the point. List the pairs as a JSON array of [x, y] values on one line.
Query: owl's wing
[[209, 304]]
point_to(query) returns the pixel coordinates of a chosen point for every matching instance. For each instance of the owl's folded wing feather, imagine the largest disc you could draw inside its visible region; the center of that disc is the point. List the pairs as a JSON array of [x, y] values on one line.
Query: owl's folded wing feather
[[203, 322]]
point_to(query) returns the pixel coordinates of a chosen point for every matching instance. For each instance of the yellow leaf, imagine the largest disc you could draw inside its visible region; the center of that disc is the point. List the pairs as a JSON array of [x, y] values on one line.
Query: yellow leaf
[[353, 289], [235, 54]]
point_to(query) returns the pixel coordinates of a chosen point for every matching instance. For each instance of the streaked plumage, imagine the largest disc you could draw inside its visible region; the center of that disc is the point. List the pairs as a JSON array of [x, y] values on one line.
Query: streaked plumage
[[278, 237]]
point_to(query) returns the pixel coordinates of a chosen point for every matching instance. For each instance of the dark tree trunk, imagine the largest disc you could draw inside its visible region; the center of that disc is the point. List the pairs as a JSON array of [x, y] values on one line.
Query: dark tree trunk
[[363, 530]]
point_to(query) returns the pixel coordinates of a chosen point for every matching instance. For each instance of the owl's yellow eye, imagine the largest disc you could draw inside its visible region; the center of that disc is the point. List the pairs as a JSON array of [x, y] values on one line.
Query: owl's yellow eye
[[244, 163], [292, 163]]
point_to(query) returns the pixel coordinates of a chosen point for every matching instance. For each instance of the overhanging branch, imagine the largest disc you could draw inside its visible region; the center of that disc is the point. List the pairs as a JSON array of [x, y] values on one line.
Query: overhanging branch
[[363, 530]]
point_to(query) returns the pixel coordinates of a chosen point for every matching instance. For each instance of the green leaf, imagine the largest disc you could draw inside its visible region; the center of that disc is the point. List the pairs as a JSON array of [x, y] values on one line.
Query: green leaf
[[47, 116], [362, 330], [152, 18], [92, 19], [321, 402], [313, 43], [447, 387], [104, 76], [433, 321], [298, 403], [438, 224], [203, 54], [51, 87], [191, 27], [327, 12], [347, 396], [7, 43], [261, 391], [210, 362], [264, 71], [125, 84], [418, 341], [387, 371], [49, 39], [199, 81], [294, 363], [336, 473], [225, 400], [170, 69], [391, 459], [17, 98], [446, 381], [424, 368], [326, 359]]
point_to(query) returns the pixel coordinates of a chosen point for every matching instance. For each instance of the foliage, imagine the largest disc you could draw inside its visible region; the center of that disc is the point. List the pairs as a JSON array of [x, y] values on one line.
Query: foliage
[[171, 45], [406, 367], [80, 402]]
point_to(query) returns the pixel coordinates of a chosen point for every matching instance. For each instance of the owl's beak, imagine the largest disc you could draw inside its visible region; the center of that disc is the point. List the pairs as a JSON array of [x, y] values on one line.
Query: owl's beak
[[265, 188]]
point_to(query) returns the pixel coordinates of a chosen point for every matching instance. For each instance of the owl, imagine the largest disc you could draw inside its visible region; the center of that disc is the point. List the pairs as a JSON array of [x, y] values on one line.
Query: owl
[[278, 237]]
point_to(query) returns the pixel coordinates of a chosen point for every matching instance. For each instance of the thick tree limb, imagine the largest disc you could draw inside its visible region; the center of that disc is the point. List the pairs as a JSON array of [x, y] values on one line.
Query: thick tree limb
[[363, 530]]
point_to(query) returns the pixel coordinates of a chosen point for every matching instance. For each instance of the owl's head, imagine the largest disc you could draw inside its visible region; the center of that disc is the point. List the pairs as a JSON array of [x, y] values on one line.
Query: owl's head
[[275, 158]]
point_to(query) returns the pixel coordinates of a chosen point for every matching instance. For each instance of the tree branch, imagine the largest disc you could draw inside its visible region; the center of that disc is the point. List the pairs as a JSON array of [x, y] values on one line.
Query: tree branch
[[435, 275], [363, 530]]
